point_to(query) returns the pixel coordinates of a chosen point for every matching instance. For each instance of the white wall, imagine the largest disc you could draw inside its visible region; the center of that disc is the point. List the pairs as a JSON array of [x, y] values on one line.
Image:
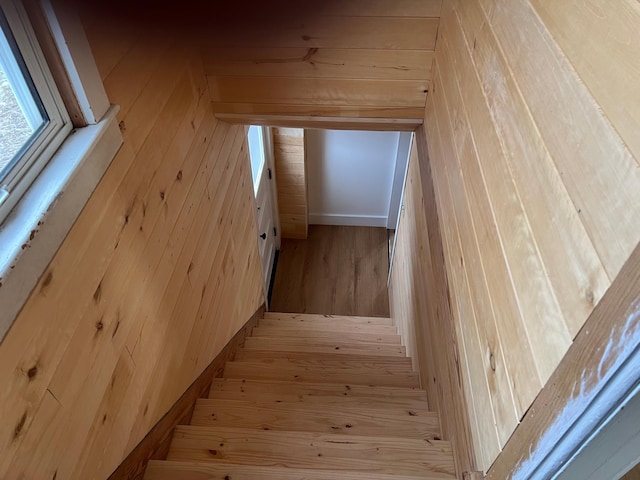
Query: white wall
[[350, 176]]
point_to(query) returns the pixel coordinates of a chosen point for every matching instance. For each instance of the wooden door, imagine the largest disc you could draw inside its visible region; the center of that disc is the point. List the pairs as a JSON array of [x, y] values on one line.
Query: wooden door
[[263, 177]]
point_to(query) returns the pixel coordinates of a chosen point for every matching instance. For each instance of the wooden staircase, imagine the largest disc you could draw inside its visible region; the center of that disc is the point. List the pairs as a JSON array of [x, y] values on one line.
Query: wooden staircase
[[312, 397]]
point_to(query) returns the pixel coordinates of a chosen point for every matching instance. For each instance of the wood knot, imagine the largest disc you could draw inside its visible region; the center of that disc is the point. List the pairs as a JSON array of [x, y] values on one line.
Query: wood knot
[[47, 280], [589, 296], [492, 362], [97, 295], [179, 175], [310, 53], [99, 325], [32, 372], [19, 426]]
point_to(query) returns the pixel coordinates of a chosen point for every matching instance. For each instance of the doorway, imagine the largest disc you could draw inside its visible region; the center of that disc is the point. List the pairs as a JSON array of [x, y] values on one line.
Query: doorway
[[339, 195], [261, 156]]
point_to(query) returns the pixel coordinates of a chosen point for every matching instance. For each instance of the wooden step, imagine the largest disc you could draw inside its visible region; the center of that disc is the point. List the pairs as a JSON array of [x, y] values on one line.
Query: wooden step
[[313, 450], [328, 319], [176, 470], [327, 325], [317, 393], [369, 420], [329, 360], [401, 363], [312, 345], [289, 371], [350, 337]]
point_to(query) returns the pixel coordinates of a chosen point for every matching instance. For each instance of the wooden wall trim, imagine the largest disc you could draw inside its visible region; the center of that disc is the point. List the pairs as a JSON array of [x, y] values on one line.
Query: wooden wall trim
[[579, 394], [326, 122], [156, 444]]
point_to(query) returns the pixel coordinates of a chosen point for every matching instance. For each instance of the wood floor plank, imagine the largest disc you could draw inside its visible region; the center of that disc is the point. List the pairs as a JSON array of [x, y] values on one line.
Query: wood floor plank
[[367, 419], [316, 393], [176, 470], [282, 370], [312, 450], [336, 270], [357, 337], [323, 346]]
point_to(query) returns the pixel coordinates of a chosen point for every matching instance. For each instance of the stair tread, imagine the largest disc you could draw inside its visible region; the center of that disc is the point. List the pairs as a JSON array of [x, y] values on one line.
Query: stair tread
[[312, 450], [323, 346], [364, 420], [312, 393], [330, 325], [329, 360], [180, 470], [350, 337], [312, 397], [313, 317], [289, 371]]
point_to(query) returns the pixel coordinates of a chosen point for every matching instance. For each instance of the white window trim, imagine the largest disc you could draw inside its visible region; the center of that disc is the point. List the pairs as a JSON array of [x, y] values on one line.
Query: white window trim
[[34, 230], [50, 137]]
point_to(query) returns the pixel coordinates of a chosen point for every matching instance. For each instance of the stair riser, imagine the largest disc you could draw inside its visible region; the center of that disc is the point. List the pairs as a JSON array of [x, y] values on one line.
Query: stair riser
[[312, 318], [242, 370], [331, 326], [303, 450], [171, 470], [346, 337], [323, 346], [329, 361], [338, 394], [371, 421]]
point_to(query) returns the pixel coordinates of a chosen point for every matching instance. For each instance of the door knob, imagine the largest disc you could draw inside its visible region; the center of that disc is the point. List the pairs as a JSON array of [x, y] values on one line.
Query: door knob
[[263, 236]]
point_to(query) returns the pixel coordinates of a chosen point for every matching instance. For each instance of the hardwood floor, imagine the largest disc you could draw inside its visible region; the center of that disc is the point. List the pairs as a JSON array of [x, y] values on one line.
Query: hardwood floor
[[336, 271]]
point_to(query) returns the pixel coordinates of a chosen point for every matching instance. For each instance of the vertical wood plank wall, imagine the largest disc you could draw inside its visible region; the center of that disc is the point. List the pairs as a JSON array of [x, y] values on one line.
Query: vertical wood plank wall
[[159, 272], [420, 304], [535, 161], [291, 178], [338, 58]]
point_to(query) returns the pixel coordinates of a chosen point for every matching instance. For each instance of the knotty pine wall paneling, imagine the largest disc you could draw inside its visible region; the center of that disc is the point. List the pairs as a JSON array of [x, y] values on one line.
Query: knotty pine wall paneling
[[332, 60], [291, 177], [421, 307], [158, 273], [537, 189]]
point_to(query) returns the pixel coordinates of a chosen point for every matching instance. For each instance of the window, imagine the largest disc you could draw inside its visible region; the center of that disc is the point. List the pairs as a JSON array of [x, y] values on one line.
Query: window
[[47, 171], [256, 153], [33, 120]]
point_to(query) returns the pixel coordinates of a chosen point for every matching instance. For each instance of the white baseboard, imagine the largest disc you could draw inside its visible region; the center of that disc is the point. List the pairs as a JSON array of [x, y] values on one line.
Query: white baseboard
[[347, 220]]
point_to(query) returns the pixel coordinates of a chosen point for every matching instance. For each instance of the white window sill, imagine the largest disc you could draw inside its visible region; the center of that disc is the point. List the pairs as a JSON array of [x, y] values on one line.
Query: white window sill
[[37, 226]]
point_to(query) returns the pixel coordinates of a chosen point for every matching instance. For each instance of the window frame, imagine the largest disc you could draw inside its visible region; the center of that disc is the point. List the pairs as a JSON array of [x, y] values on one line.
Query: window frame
[[258, 147], [41, 219], [45, 141]]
